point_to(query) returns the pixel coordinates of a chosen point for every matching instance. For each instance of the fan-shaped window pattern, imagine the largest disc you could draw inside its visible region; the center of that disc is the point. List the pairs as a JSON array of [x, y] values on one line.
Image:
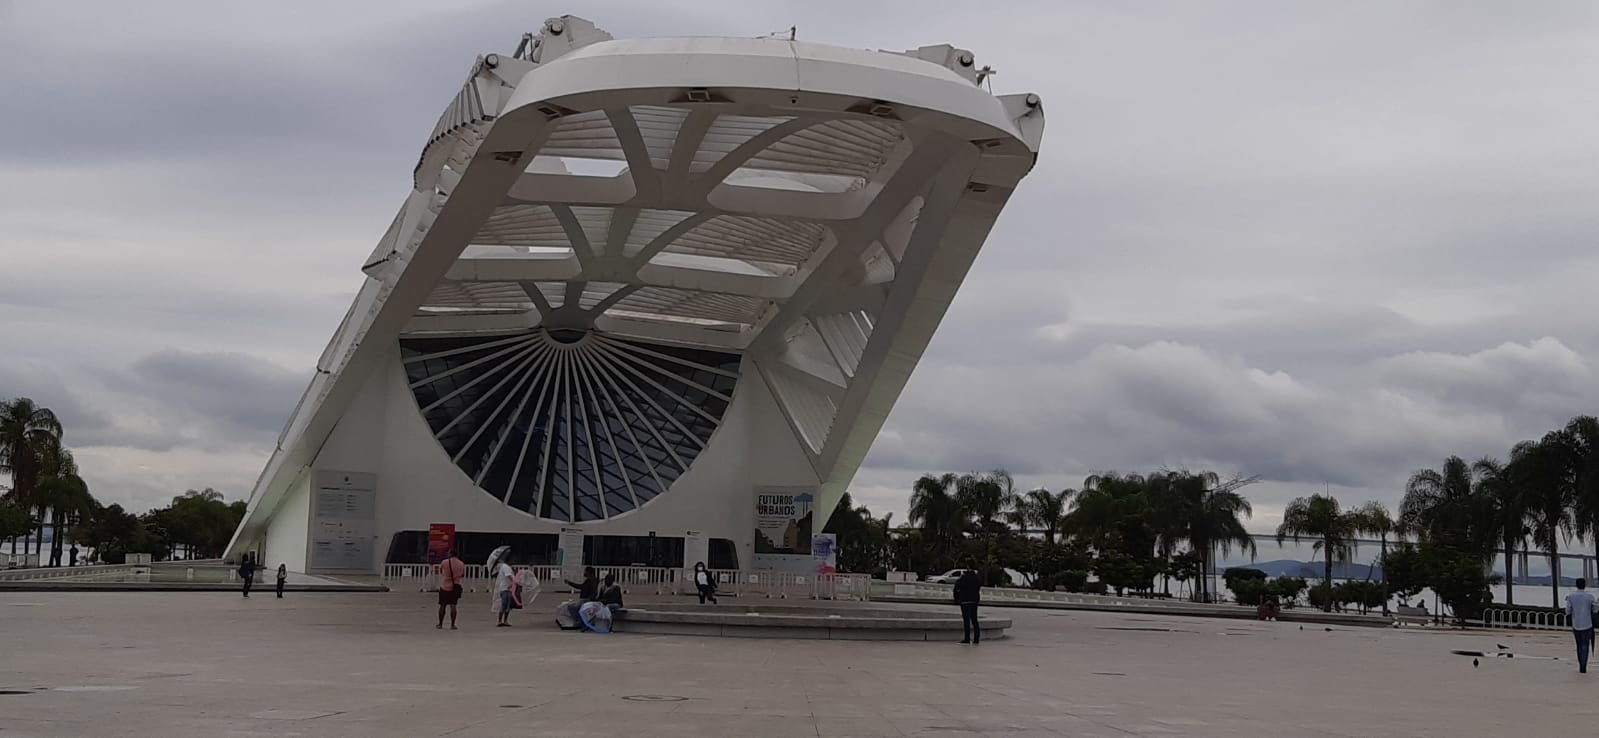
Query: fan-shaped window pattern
[[569, 425]]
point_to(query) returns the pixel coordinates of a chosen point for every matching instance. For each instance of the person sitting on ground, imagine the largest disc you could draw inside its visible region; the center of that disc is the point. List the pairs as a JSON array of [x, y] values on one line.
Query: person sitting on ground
[[610, 593]]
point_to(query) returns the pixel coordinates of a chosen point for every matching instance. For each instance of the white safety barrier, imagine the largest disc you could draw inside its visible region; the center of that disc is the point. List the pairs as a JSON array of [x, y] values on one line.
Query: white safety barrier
[[1499, 617], [652, 580], [930, 590]]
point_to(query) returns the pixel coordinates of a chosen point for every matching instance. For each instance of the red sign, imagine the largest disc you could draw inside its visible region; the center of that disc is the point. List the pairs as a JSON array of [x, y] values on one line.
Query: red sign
[[441, 538]]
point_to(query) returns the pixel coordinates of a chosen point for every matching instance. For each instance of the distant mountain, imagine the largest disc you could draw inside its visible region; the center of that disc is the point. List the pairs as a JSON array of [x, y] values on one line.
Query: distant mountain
[[1315, 569]]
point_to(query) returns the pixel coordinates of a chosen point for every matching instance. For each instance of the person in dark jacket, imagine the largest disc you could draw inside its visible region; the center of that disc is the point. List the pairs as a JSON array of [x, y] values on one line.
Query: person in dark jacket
[[589, 590], [968, 593], [610, 594], [247, 572]]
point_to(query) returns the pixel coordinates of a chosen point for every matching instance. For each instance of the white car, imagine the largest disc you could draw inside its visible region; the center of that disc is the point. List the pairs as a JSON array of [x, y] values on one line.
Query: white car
[[948, 577]]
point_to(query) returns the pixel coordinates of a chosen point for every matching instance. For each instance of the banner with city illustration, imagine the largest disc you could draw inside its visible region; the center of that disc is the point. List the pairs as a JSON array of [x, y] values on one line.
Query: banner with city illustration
[[783, 521]]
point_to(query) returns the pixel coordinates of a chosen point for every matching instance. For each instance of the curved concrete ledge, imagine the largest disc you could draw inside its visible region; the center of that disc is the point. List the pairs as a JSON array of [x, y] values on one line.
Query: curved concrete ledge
[[1231, 612], [260, 589], [811, 623]]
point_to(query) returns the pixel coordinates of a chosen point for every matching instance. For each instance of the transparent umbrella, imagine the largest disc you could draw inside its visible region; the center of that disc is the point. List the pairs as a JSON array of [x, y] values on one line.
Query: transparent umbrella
[[496, 557]]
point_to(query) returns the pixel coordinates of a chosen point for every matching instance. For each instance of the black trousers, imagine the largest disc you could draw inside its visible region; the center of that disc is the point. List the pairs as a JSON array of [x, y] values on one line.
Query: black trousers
[[706, 591], [249, 581], [280, 589], [969, 622]]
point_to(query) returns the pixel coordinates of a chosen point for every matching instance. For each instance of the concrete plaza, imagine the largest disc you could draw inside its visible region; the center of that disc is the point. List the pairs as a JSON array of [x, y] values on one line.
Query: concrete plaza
[[348, 664]]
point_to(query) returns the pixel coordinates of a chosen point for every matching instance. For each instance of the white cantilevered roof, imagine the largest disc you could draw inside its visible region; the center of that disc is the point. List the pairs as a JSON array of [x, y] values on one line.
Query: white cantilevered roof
[[810, 207]]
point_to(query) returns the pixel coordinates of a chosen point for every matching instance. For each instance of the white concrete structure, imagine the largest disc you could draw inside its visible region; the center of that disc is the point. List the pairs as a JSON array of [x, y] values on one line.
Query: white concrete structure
[[637, 280]]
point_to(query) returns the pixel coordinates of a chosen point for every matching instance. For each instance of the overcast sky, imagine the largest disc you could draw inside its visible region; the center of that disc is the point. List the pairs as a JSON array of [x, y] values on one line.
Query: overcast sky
[[1323, 243]]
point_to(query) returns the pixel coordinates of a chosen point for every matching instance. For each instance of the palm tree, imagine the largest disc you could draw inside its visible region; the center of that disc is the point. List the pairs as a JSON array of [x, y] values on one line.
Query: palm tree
[[1449, 505], [67, 498], [1584, 433], [1374, 519], [58, 480], [1211, 516], [27, 433], [1543, 468], [1046, 511], [1108, 511], [1510, 512], [987, 498], [1319, 517], [934, 508]]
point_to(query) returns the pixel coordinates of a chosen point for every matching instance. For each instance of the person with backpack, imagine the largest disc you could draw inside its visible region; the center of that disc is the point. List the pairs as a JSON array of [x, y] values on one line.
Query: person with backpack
[[451, 571], [247, 572], [704, 582]]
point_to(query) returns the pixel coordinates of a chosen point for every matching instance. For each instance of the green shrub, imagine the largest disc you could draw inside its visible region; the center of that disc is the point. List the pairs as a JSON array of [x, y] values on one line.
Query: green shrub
[[1288, 589], [1072, 580]]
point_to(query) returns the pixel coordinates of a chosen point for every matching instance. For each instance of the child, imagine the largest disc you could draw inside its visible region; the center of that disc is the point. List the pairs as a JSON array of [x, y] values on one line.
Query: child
[[283, 576]]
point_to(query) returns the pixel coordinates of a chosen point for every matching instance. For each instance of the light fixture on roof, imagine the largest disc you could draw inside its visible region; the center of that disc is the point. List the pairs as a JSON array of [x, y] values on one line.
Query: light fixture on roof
[[699, 94], [874, 108], [553, 111]]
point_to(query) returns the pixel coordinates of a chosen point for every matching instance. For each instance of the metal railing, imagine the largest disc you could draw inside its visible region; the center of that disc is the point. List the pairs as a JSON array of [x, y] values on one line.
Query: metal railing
[[931, 590], [666, 581], [1500, 617]]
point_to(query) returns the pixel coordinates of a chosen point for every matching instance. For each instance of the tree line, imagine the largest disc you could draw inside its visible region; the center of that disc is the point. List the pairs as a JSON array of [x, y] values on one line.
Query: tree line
[[46, 491], [1127, 530]]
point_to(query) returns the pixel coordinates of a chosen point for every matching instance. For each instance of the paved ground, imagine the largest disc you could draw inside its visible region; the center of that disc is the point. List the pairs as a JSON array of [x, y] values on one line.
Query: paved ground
[[209, 664]]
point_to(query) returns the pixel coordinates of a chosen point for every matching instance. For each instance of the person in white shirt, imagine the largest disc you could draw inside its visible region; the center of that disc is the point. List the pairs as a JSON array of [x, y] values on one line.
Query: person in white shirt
[[504, 598], [1580, 609]]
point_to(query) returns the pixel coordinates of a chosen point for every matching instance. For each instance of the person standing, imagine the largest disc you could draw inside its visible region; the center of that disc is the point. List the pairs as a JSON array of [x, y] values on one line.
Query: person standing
[[72, 555], [1580, 609], [451, 571], [705, 583], [283, 577], [968, 594], [247, 572], [504, 598]]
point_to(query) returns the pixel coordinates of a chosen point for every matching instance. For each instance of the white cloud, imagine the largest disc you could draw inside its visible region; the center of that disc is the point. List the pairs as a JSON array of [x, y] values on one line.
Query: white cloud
[[1324, 244]]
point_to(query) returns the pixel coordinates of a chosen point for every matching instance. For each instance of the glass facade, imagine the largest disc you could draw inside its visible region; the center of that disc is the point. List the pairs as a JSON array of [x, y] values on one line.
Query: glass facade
[[569, 426]]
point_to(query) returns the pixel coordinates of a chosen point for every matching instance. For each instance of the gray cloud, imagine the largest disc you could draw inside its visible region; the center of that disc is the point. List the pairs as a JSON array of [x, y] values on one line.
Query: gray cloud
[[1325, 244]]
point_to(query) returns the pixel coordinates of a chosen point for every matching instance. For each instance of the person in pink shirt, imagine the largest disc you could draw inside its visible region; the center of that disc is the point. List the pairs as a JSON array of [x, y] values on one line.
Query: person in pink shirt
[[451, 572]]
